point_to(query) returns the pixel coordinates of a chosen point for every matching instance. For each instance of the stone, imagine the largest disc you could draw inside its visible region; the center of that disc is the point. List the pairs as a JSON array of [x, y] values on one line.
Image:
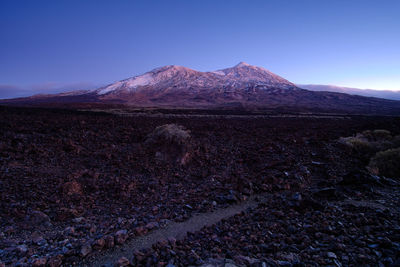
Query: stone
[[98, 244], [21, 249], [152, 225], [38, 218], [109, 241], [72, 188], [78, 220], [122, 262], [172, 241], [39, 262], [55, 261], [331, 255], [121, 236], [327, 192], [85, 250], [69, 230], [140, 230]]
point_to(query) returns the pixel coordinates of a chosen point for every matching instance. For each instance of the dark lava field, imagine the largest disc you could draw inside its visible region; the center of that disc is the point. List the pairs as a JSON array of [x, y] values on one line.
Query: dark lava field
[[75, 185]]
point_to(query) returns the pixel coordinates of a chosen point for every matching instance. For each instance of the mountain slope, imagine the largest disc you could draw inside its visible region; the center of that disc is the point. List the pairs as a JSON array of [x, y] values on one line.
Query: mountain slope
[[387, 94], [180, 86], [180, 77], [241, 86]]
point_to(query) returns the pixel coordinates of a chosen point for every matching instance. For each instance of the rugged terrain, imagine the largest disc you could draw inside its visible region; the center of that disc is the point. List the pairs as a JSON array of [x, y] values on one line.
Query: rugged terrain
[[243, 87], [76, 185]]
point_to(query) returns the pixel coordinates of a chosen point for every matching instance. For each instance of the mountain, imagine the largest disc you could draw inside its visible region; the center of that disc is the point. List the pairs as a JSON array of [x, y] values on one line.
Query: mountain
[[243, 86], [181, 78], [180, 86], [387, 94]]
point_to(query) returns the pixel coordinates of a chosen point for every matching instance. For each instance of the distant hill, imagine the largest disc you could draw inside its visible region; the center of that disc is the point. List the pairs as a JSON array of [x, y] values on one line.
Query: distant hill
[[243, 86], [387, 94]]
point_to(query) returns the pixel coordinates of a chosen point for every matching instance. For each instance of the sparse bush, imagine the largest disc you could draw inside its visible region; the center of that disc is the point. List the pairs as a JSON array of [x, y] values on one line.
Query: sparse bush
[[386, 163], [171, 142], [381, 135], [396, 141], [370, 142], [358, 144]]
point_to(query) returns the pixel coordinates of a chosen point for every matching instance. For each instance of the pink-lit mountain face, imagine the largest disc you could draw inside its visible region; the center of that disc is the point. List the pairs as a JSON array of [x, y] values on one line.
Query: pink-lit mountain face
[[242, 86], [180, 86]]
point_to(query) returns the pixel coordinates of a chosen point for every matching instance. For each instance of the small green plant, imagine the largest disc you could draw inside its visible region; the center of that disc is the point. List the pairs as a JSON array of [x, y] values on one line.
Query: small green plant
[[386, 163]]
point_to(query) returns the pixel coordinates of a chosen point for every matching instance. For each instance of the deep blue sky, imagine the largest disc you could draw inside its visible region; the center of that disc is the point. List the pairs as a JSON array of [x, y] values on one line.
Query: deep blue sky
[[58, 45]]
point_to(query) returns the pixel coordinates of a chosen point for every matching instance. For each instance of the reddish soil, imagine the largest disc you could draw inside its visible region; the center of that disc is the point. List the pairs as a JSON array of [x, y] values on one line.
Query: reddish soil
[[73, 183]]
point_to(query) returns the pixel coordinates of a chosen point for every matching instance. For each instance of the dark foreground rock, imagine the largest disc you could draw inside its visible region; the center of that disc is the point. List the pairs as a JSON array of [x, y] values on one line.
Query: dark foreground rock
[[276, 233], [70, 181]]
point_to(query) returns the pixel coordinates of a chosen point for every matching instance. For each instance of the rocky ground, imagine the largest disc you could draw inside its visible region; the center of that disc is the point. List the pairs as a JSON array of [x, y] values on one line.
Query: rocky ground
[[292, 229], [76, 184]]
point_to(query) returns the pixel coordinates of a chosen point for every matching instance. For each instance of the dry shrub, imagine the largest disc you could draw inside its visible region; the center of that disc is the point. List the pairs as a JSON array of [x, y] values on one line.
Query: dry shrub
[[386, 163], [171, 142], [357, 143], [377, 135], [171, 133], [396, 141], [370, 142]]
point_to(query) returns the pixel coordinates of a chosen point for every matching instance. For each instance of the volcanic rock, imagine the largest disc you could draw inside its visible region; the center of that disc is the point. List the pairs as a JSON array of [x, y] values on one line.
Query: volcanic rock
[[122, 262], [99, 244], [41, 262], [38, 218], [71, 188], [121, 236], [85, 250]]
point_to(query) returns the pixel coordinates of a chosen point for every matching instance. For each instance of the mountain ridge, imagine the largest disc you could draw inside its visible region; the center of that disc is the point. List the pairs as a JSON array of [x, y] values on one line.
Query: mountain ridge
[[386, 94], [242, 86], [229, 77]]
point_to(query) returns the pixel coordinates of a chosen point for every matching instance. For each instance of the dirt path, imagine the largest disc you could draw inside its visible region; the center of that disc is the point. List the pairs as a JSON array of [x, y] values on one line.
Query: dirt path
[[174, 229]]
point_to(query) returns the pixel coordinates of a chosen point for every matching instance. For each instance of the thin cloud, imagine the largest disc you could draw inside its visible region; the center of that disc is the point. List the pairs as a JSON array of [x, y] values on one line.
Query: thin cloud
[[11, 91]]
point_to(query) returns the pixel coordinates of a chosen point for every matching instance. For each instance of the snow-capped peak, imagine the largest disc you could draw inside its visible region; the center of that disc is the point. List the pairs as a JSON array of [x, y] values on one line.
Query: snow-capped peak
[[152, 77], [242, 64], [173, 76], [141, 80]]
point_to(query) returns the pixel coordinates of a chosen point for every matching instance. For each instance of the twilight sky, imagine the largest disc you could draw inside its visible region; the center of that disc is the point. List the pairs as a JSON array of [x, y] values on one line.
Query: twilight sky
[[52, 46]]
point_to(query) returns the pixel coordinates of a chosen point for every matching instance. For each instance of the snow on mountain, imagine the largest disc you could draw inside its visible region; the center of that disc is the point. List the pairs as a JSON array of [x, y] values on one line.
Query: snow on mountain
[[241, 75], [242, 86]]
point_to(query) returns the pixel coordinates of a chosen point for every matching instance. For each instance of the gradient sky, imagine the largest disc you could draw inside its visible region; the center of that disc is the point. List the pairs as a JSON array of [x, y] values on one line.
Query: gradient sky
[[60, 45]]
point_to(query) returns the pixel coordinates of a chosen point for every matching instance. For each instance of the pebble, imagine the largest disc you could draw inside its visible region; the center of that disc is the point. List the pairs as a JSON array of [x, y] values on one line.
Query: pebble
[[55, 261], [41, 262], [331, 255], [109, 241], [122, 262], [85, 250], [99, 244], [21, 249], [121, 236]]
